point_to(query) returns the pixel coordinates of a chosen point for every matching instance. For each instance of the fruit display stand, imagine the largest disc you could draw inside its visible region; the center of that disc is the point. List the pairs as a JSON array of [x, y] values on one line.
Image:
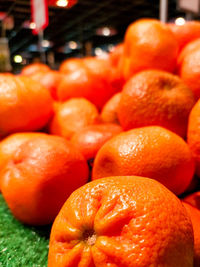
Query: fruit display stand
[[21, 245]]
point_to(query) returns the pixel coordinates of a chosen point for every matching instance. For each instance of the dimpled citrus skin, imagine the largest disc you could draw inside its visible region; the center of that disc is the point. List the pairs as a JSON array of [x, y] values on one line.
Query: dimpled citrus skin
[[150, 152], [149, 44], [122, 222], [109, 111], [40, 176], [73, 115], [25, 105], [91, 138], [155, 98], [195, 218], [193, 135]]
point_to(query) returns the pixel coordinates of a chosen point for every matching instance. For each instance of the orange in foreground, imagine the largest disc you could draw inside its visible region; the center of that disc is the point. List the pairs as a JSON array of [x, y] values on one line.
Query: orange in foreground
[[122, 221], [40, 176], [149, 44], [195, 218], [152, 152], [155, 98], [193, 135], [110, 109], [72, 116], [189, 66], [33, 68], [185, 33], [91, 138], [25, 105]]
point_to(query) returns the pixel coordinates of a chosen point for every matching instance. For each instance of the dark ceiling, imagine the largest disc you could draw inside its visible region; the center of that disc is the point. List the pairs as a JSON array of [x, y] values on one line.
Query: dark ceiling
[[79, 23]]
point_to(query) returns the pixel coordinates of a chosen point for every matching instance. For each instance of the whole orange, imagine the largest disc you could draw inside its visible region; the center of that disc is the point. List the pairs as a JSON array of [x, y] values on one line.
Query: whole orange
[[152, 152], [122, 221], [189, 67], [185, 33], [149, 44], [73, 115], [110, 109], [25, 105], [195, 218], [33, 68], [40, 176], [91, 138], [155, 97], [93, 79], [49, 79]]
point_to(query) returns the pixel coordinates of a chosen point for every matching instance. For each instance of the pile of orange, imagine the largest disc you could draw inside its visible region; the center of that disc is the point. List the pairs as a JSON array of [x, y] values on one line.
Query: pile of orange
[[130, 122]]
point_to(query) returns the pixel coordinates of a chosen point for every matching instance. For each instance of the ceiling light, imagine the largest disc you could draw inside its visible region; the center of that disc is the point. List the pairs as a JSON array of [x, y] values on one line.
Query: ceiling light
[[110, 47], [98, 51], [180, 21], [45, 43], [62, 3], [32, 25], [73, 45], [106, 31], [18, 59]]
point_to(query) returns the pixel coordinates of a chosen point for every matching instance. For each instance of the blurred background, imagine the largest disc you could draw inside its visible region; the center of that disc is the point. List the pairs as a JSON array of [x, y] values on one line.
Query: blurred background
[[75, 28]]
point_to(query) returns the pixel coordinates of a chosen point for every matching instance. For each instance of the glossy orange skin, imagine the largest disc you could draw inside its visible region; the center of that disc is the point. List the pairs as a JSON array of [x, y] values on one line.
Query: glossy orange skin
[[93, 79], [189, 67], [195, 218], [91, 138], [25, 105], [33, 68], [152, 152], [72, 116], [185, 33], [109, 110], [155, 97], [50, 80], [117, 54], [122, 222], [193, 135], [40, 176], [149, 44], [70, 65]]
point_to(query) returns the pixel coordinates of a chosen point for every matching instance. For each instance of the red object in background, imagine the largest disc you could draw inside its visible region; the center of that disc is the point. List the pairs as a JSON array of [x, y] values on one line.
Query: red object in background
[[62, 3], [39, 12]]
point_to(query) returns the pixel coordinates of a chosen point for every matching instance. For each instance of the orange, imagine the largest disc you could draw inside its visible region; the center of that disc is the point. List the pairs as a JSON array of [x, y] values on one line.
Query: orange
[[25, 105], [122, 222], [109, 110], [11, 143], [195, 218], [33, 68], [71, 64], [117, 54], [193, 199], [73, 115], [149, 44], [93, 79], [152, 152], [91, 138], [193, 135], [49, 79], [155, 97], [189, 67], [185, 33], [40, 176]]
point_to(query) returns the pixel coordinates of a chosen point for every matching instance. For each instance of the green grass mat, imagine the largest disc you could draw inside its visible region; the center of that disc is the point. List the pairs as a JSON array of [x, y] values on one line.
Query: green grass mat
[[20, 245]]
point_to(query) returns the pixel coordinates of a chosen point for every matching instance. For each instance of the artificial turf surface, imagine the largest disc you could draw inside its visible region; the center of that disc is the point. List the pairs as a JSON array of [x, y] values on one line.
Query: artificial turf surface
[[21, 245]]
